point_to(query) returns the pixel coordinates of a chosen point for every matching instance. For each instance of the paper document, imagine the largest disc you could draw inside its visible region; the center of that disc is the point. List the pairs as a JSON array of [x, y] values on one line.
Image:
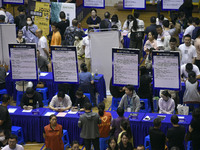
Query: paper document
[[49, 113], [61, 114], [27, 110], [72, 112], [12, 110], [43, 74]]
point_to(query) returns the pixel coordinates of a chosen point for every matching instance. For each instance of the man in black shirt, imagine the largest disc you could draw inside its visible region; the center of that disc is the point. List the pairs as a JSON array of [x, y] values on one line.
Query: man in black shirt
[[63, 24], [157, 137], [176, 134], [94, 20], [5, 121], [30, 98], [152, 27]]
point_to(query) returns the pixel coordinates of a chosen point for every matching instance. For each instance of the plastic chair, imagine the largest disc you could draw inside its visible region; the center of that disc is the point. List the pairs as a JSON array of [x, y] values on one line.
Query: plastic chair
[[19, 97], [44, 93], [189, 145], [103, 143], [115, 103], [88, 96], [19, 133], [65, 139], [145, 107], [3, 91], [147, 144]]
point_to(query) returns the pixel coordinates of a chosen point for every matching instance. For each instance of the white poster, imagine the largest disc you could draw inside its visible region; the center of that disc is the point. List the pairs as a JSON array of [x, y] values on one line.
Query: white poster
[[68, 8], [166, 70], [125, 67], [94, 3], [171, 4], [134, 4], [23, 61], [0, 3], [13, 1], [101, 52], [64, 62]]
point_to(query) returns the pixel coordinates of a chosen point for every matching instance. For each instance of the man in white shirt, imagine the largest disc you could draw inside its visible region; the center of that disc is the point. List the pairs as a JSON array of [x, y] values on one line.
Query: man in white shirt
[[188, 51], [190, 28], [163, 38], [42, 45], [60, 102], [186, 68], [12, 144], [87, 49]]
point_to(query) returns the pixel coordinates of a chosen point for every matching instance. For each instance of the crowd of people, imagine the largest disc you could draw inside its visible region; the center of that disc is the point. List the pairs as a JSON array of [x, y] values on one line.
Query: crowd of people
[[163, 34]]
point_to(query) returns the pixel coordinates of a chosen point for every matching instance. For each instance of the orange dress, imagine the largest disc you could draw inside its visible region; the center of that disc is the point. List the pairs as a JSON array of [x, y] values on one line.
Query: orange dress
[[104, 127], [56, 39], [53, 137]]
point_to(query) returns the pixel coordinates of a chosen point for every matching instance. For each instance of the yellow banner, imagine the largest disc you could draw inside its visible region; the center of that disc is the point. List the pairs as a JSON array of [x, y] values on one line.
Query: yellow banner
[[43, 22]]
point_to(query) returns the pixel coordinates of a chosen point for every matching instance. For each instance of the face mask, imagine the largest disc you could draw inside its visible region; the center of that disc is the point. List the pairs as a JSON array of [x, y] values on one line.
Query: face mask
[[76, 38], [29, 22], [2, 138]]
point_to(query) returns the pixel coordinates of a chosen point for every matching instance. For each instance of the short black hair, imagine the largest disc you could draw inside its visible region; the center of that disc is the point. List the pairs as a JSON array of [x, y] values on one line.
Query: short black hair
[[173, 40], [120, 111], [196, 113], [158, 26], [62, 15], [51, 116], [136, 14], [187, 35], [93, 9], [13, 136], [174, 119], [189, 66], [83, 67], [88, 106], [30, 90], [79, 92], [166, 23], [75, 22], [130, 87], [153, 19], [192, 74], [157, 122], [107, 15], [21, 8], [54, 24], [161, 17], [5, 98], [196, 20], [190, 20], [61, 94], [166, 93]]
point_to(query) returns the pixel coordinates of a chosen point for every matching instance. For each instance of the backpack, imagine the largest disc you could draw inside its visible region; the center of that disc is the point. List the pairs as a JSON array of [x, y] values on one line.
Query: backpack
[[22, 21]]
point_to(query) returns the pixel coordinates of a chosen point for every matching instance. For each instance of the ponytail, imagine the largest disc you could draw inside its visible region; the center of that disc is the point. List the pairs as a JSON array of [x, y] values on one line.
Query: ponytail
[[101, 108], [135, 24]]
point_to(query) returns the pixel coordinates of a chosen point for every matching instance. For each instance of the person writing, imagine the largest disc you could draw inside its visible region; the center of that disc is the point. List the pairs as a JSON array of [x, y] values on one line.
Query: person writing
[[60, 102]]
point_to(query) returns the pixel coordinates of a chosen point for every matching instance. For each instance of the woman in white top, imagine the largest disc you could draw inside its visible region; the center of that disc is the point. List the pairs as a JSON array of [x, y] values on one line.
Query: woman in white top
[[116, 21], [191, 93], [127, 22]]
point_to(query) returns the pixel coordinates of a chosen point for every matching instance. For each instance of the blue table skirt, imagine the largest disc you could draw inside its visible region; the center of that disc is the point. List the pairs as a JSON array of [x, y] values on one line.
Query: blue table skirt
[[30, 123]]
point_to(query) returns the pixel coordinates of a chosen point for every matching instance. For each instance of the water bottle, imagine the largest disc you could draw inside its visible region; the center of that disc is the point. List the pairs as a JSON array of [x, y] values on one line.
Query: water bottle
[[37, 106], [78, 109]]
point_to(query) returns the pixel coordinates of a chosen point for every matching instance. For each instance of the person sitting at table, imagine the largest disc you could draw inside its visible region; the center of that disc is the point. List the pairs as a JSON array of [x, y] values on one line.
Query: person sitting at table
[[125, 144], [116, 91], [106, 117], [75, 145], [5, 120], [191, 93], [81, 99], [2, 78], [130, 101], [194, 129], [112, 144], [86, 82], [12, 144], [127, 22], [60, 102], [53, 134], [43, 63], [125, 126], [157, 137], [166, 104], [30, 99], [115, 125], [3, 138], [186, 68], [176, 134]]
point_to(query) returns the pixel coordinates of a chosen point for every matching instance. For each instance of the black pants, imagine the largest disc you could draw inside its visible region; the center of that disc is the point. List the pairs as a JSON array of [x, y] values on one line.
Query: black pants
[[195, 145], [95, 142], [137, 45]]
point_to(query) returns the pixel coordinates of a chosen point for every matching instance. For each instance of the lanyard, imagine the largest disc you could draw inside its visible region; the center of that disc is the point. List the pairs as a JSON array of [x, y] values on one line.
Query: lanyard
[[129, 101]]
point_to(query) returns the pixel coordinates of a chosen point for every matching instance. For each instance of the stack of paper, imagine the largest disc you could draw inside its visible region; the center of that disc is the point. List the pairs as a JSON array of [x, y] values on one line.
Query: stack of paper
[[49, 113], [61, 114], [27, 111], [12, 110]]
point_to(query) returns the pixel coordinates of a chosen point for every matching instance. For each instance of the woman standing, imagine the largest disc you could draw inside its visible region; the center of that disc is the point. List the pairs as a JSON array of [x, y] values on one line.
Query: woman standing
[[53, 134], [29, 31]]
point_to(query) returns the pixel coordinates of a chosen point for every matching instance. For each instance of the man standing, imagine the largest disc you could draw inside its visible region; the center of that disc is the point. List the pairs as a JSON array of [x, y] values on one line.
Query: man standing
[[43, 63], [188, 51], [89, 123], [42, 44], [8, 15], [176, 134], [130, 101], [12, 144], [5, 121], [56, 37], [60, 102], [157, 137]]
